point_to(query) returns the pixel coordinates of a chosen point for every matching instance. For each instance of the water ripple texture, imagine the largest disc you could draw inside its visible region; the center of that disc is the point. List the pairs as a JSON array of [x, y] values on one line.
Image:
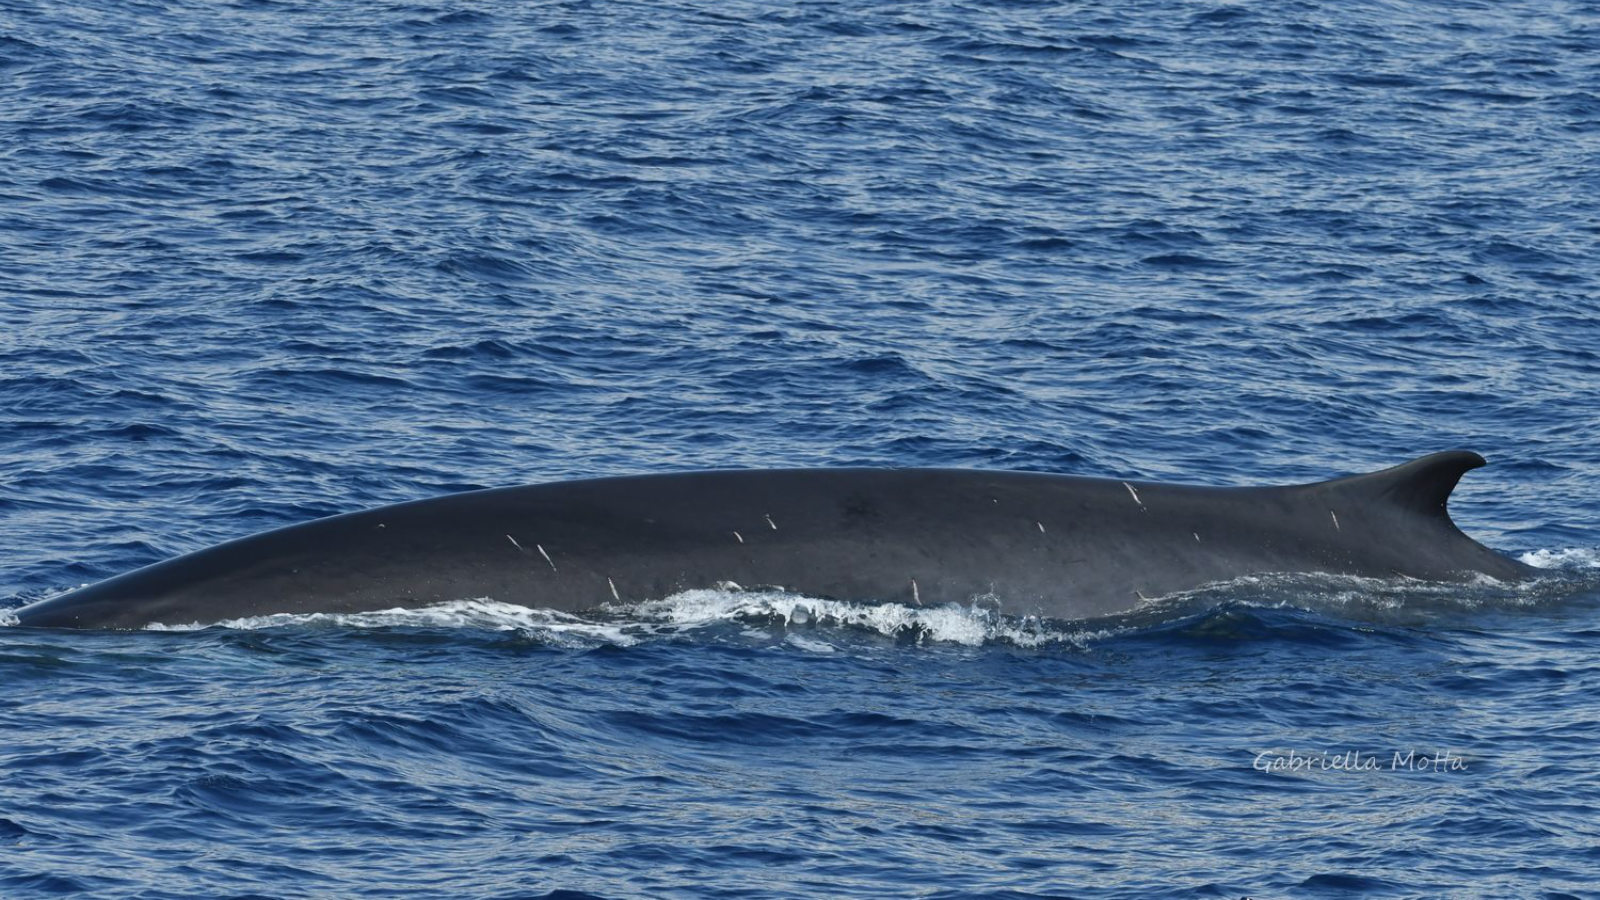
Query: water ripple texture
[[263, 261]]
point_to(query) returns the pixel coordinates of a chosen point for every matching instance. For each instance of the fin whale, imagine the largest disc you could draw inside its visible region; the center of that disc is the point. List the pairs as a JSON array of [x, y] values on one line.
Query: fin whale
[[1038, 544]]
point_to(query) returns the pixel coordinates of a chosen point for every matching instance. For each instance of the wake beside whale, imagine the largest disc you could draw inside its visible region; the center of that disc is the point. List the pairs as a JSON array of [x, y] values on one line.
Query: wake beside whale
[[1036, 544]]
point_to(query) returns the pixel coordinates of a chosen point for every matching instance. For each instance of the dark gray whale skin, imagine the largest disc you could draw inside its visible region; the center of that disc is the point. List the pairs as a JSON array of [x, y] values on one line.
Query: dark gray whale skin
[[1037, 544]]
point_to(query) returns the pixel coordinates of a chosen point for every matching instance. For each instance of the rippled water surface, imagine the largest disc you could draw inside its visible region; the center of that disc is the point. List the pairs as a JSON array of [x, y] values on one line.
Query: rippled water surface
[[263, 261]]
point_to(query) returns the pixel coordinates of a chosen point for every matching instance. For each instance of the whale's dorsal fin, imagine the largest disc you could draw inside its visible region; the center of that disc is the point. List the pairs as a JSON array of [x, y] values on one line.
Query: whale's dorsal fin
[[1421, 487]]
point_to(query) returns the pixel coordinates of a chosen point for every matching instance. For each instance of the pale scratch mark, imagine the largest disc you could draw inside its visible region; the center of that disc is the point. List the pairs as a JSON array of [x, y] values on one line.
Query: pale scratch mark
[[1196, 536], [1134, 493], [1335, 520], [614, 595], [1041, 527], [1141, 596], [916, 595], [739, 536], [515, 544], [547, 558], [770, 522]]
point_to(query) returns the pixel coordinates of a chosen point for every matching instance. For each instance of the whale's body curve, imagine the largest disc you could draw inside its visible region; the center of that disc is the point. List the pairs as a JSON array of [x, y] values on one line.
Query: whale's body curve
[[1037, 544]]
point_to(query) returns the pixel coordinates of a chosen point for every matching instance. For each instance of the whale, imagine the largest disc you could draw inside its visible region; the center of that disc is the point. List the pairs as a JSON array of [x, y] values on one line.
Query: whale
[[1028, 543]]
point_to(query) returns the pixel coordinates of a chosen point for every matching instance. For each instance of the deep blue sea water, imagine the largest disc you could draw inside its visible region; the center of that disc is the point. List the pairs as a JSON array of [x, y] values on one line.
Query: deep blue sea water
[[266, 261]]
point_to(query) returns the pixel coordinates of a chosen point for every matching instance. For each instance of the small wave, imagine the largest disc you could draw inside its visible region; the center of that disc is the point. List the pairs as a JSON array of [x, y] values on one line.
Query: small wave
[[696, 610], [804, 622], [972, 625], [1569, 558], [484, 615], [1376, 599]]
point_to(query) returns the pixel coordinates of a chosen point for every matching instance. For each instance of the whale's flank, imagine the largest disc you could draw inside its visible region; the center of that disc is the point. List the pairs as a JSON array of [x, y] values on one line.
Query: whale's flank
[[1038, 544]]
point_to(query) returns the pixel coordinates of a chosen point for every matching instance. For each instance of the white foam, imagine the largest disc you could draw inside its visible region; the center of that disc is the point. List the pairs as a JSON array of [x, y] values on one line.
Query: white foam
[[486, 615], [756, 610], [971, 625], [1570, 558], [802, 621]]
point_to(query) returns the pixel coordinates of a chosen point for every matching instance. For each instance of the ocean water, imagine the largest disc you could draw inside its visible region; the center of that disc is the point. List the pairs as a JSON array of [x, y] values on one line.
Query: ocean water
[[266, 261]]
